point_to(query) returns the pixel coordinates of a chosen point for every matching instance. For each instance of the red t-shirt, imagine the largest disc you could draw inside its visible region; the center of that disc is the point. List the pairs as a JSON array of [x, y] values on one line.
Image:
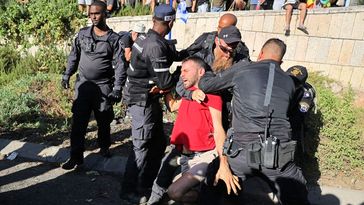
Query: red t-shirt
[[193, 127]]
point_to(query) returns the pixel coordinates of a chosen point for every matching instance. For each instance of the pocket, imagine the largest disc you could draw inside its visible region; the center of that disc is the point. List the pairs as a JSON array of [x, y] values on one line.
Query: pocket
[[253, 155], [286, 153]]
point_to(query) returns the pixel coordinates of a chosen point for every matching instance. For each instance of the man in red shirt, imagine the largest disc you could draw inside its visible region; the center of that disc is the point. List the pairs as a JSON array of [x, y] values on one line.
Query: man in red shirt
[[198, 134]]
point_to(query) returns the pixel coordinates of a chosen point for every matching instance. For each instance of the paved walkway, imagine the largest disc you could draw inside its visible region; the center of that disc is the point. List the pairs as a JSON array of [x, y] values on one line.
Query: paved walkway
[[318, 195]]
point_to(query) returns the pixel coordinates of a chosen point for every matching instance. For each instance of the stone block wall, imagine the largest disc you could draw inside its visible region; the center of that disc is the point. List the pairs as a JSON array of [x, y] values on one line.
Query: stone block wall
[[334, 46]]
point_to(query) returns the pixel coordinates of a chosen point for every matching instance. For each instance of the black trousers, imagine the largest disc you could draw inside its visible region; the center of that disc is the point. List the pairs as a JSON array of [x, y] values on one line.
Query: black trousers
[[90, 97], [287, 183], [149, 144]]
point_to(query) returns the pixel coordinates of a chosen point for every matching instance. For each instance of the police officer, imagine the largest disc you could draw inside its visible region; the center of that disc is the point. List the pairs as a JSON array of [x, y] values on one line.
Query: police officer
[[204, 45], [152, 55], [261, 143], [99, 59]]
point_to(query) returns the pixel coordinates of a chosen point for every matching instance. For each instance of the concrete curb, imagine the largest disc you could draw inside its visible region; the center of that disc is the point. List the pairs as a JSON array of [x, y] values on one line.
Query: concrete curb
[[54, 154], [116, 164]]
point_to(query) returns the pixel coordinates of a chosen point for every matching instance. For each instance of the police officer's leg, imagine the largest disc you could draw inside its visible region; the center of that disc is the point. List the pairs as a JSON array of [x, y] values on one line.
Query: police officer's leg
[[156, 145], [103, 122], [104, 114], [290, 184], [81, 110], [140, 125]]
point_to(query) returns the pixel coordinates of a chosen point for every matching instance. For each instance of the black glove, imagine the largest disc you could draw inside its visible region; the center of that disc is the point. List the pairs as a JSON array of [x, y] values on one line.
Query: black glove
[[115, 96], [65, 81]]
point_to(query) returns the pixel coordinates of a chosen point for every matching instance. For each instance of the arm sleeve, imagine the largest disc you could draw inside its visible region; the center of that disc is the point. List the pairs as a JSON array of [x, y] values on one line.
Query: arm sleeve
[[120, 65], [210, 82], [73, 58], [160, 65]]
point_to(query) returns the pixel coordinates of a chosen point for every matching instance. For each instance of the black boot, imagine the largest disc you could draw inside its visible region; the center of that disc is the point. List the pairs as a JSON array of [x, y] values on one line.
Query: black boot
[[71, 163]]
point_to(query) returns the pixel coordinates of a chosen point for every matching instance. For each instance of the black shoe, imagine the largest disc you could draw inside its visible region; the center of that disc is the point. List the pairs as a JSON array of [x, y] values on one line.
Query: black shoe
[[105, 152], [71, 164]]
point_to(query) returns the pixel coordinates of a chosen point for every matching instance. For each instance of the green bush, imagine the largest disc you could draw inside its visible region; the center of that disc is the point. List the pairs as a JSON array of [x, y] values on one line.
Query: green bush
[[139, 10], [17, 105], [35, 101], [340, 145], [9, 57], [46, 60], [51, 59], [39, 22]]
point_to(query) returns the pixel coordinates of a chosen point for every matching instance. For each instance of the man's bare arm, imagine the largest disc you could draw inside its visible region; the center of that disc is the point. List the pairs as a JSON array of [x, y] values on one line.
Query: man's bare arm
[[224, 173]]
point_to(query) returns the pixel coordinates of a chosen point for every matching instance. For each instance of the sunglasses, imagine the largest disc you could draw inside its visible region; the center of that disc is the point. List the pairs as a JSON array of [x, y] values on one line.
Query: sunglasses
[[224, 48]]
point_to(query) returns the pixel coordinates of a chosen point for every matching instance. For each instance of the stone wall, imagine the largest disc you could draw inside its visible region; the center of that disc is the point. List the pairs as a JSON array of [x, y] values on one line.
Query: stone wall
[[334, 46]]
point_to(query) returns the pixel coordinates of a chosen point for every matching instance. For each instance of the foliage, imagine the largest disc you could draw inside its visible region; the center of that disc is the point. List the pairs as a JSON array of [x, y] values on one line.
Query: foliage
[[138, 10], [41, 22], [35, 101], [14, 64], [17, 105], [337, 125], [54, 63]]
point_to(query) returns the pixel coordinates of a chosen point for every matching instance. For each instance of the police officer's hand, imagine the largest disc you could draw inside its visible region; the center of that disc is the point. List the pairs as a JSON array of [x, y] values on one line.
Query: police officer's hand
[[65, 81], [115, 96]]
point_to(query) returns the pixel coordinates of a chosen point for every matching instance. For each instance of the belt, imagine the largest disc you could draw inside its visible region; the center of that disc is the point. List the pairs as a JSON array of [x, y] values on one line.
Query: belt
[[191, 153]]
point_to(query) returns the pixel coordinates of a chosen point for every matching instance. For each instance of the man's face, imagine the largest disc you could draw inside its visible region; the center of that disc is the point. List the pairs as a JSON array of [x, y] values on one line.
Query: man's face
[[224, 54], [97, 15], [191, 74]]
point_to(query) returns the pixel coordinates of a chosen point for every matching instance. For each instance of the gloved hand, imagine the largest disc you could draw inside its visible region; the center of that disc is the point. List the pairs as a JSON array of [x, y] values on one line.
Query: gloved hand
[[115, 96], [65, 81]]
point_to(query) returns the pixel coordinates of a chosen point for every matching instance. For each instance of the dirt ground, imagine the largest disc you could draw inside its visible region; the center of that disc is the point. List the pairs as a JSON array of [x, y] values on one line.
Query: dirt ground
[[122, 145]]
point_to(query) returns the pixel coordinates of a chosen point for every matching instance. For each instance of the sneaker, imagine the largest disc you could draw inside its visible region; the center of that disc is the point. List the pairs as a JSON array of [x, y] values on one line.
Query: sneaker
[[105, 152], [71, 164], [303, 29]]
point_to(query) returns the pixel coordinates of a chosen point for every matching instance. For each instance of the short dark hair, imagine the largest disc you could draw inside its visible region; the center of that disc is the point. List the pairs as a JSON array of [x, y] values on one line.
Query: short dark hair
[[198, 60], [100, 4], [279, 43]]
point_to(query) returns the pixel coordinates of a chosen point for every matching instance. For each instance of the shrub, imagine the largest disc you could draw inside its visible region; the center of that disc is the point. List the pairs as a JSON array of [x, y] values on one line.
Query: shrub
[[40, 22], [17, 105], [35, 101], [138, 10], [337, 124]]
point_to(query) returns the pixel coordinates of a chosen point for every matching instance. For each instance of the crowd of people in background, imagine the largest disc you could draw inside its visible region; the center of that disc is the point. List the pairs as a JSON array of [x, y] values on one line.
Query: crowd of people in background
[[200, 6]]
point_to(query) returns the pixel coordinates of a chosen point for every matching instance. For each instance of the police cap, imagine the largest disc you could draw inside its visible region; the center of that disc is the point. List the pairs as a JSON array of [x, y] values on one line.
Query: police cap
[[164, 12], [299, 73]]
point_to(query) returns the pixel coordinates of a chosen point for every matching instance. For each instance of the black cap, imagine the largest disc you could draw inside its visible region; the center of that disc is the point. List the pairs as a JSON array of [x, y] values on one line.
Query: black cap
[[298, 72], [164, 12], [230, 34]]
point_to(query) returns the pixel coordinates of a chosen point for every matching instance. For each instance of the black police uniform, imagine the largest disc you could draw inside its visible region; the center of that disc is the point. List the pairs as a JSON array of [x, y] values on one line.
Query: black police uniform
[[152, 55], [100, 64], [249, 84]]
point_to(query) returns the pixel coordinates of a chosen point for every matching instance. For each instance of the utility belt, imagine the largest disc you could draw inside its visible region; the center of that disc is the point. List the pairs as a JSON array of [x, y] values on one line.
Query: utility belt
[[269, 152]]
